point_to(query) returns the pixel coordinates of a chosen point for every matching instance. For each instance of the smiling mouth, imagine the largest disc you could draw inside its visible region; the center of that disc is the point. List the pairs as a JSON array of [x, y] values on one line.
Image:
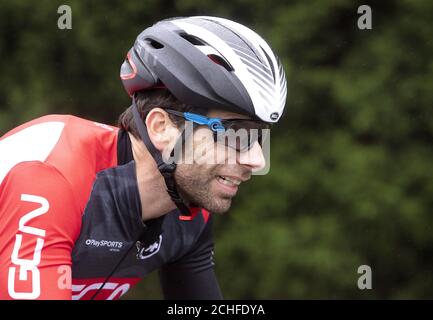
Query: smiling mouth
[[229, 181], [228, 186]]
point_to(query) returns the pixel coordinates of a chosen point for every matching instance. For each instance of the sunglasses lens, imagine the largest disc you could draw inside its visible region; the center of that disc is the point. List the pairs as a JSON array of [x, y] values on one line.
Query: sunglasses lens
[[242, 135]]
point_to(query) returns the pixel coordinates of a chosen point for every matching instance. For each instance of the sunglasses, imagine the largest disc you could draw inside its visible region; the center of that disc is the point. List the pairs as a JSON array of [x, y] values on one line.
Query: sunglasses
[[239, 134]]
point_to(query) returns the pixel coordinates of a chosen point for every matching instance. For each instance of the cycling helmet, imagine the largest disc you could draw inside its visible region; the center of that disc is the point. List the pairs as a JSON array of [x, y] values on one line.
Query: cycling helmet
[[205, 62], [208, 62]]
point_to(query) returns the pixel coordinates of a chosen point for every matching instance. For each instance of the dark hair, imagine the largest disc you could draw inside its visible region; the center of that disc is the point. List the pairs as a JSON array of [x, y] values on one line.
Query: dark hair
[[158, 98]]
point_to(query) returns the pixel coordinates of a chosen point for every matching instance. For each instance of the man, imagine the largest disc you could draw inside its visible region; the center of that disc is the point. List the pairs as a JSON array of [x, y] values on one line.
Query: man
[[102, 207]]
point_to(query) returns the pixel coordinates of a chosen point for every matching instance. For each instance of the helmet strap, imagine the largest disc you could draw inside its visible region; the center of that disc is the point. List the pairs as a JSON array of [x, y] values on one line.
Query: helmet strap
[[166, 169]]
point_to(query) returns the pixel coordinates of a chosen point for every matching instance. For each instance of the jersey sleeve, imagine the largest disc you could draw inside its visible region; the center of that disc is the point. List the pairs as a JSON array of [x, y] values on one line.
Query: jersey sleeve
[[193, 276], [39, 223]]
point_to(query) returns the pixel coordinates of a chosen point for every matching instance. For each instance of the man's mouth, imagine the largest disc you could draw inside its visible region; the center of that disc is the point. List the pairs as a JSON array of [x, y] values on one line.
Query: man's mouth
[[229, 181], [228, 185]]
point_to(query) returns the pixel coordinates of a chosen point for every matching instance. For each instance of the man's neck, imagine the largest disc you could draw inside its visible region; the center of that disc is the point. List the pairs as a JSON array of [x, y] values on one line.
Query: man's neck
[[155, 200]]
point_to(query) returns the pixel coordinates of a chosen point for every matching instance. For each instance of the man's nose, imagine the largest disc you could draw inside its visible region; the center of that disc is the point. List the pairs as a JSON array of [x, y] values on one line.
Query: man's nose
[[253, 158]]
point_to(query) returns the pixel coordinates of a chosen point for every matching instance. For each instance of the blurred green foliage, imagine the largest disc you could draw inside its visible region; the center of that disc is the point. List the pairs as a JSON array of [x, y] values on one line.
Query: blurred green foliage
[[351, 178]]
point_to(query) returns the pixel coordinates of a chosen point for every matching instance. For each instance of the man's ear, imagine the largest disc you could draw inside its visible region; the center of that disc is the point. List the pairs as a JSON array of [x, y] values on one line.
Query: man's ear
[[162, 131]]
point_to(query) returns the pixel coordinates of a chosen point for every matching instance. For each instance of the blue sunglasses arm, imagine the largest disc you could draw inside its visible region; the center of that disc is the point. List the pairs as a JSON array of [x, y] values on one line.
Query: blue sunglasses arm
[[213, 123]]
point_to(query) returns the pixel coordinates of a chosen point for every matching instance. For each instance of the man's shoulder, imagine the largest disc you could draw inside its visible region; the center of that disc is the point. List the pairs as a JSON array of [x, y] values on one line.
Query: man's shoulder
[[44, 138], [77, 148], [43, 127]]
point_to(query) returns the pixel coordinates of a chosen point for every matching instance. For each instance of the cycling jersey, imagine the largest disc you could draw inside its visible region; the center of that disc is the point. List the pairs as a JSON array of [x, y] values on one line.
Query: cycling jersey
[[69, 204]]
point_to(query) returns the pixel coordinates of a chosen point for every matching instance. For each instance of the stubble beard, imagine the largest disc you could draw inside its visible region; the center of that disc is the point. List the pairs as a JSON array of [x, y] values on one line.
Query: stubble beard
[[195, 187]]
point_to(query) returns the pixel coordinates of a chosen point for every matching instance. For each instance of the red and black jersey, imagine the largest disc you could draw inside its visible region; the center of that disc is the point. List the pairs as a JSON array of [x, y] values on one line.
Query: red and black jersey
[[70, 209]]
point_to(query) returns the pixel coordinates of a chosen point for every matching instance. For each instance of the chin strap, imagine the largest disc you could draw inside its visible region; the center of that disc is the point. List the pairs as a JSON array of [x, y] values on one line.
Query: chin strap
[[166, 169]]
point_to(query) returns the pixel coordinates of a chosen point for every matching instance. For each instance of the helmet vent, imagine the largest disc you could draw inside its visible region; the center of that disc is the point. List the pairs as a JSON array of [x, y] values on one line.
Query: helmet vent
[[193, 40], [154, 44], [220, 61]]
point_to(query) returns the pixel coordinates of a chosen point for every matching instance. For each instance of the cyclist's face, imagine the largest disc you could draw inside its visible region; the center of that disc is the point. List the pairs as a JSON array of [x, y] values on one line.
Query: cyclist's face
[[209, 179]]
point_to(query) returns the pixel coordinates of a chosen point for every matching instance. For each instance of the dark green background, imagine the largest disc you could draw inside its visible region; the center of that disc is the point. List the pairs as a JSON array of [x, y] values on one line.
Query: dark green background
[[351, 164]]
